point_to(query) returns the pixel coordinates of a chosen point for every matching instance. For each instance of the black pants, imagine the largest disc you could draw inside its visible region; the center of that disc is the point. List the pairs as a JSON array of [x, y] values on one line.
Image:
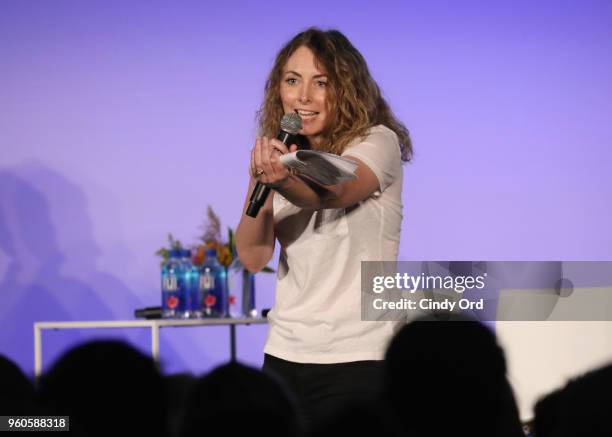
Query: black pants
[[322, 389]]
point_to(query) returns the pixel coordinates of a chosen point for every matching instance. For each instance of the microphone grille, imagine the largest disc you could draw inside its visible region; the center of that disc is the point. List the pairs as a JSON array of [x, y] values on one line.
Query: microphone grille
[[291, 123]]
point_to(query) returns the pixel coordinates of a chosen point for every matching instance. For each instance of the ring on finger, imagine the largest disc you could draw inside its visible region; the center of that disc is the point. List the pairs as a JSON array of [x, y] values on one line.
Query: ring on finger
[[259, 172]]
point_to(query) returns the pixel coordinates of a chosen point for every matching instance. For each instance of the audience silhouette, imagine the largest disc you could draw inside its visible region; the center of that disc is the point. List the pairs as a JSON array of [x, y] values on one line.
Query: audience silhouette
[[17, 395], [447, 378], [441, 378], [176, 389], [239, 400], [580, 409], [106, 387]]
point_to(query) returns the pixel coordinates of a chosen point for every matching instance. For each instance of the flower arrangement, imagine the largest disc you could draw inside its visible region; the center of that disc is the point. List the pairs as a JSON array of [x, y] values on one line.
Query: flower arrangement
[[210, 239], [173, 244]]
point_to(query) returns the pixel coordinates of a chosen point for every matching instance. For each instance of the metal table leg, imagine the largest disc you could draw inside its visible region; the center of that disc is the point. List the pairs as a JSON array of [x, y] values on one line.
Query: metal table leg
[[37, 352], [155, 343], [233, 343]]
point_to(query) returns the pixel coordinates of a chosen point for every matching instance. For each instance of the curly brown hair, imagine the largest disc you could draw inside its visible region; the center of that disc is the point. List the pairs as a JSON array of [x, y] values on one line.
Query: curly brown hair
[[353, 97]]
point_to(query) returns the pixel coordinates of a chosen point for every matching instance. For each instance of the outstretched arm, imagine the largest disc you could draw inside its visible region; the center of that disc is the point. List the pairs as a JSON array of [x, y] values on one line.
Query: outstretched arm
[[255, 235], [309, 195]]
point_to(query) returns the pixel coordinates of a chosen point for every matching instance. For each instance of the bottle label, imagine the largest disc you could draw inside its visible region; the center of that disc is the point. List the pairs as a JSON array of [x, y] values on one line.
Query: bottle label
[[207, 282], [170, 283]]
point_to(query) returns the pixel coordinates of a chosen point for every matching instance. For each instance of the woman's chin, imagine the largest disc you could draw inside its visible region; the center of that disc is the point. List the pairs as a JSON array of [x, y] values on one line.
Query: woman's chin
[[308, 131]]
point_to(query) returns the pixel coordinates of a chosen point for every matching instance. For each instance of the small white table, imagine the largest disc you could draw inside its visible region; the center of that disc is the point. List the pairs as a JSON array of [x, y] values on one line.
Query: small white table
[[153, 324]]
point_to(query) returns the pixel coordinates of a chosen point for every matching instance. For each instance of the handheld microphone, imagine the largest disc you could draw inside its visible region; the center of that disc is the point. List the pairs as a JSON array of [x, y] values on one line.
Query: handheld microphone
[[291, 123]]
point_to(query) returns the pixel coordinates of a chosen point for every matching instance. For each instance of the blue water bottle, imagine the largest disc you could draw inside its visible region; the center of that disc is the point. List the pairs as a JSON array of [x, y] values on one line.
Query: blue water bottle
[[172, 282], [189, 292], [194, 305], [213, 294]]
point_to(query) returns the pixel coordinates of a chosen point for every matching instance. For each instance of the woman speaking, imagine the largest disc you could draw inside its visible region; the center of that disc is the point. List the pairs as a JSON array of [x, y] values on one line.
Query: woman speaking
[[317, 343]]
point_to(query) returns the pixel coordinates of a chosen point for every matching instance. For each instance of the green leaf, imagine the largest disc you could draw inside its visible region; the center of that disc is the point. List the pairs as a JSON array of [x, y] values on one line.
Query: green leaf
[[163, 252], [231, 241], [174, 244]]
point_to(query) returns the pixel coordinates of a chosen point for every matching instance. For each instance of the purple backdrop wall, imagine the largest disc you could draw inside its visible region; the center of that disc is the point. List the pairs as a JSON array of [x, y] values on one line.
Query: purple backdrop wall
[[115, 119]]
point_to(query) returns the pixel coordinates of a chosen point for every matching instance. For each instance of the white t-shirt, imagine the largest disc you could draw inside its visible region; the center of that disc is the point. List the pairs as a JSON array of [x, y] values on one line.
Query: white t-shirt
[[316, 316]]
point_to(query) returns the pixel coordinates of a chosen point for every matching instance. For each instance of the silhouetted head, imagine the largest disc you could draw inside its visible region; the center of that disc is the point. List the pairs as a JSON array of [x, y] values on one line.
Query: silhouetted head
[[547, 412], [581, 409], [106, 386], [241, 400], [16, 390], [449, 378]]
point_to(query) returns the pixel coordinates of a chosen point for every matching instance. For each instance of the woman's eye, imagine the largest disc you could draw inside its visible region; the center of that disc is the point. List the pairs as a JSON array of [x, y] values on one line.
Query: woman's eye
[[291, 81], [322, 83]]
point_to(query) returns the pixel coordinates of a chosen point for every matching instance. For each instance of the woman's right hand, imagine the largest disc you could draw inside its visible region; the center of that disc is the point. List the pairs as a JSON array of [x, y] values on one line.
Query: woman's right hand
[[266, 166]]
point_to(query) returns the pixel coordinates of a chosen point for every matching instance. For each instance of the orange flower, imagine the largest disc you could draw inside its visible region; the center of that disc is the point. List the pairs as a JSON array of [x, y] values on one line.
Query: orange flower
[[224, 255], [196, 260]]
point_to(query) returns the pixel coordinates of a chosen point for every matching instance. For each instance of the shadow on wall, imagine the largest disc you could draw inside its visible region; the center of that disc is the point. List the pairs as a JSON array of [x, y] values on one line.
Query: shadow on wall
[[47, 264]]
